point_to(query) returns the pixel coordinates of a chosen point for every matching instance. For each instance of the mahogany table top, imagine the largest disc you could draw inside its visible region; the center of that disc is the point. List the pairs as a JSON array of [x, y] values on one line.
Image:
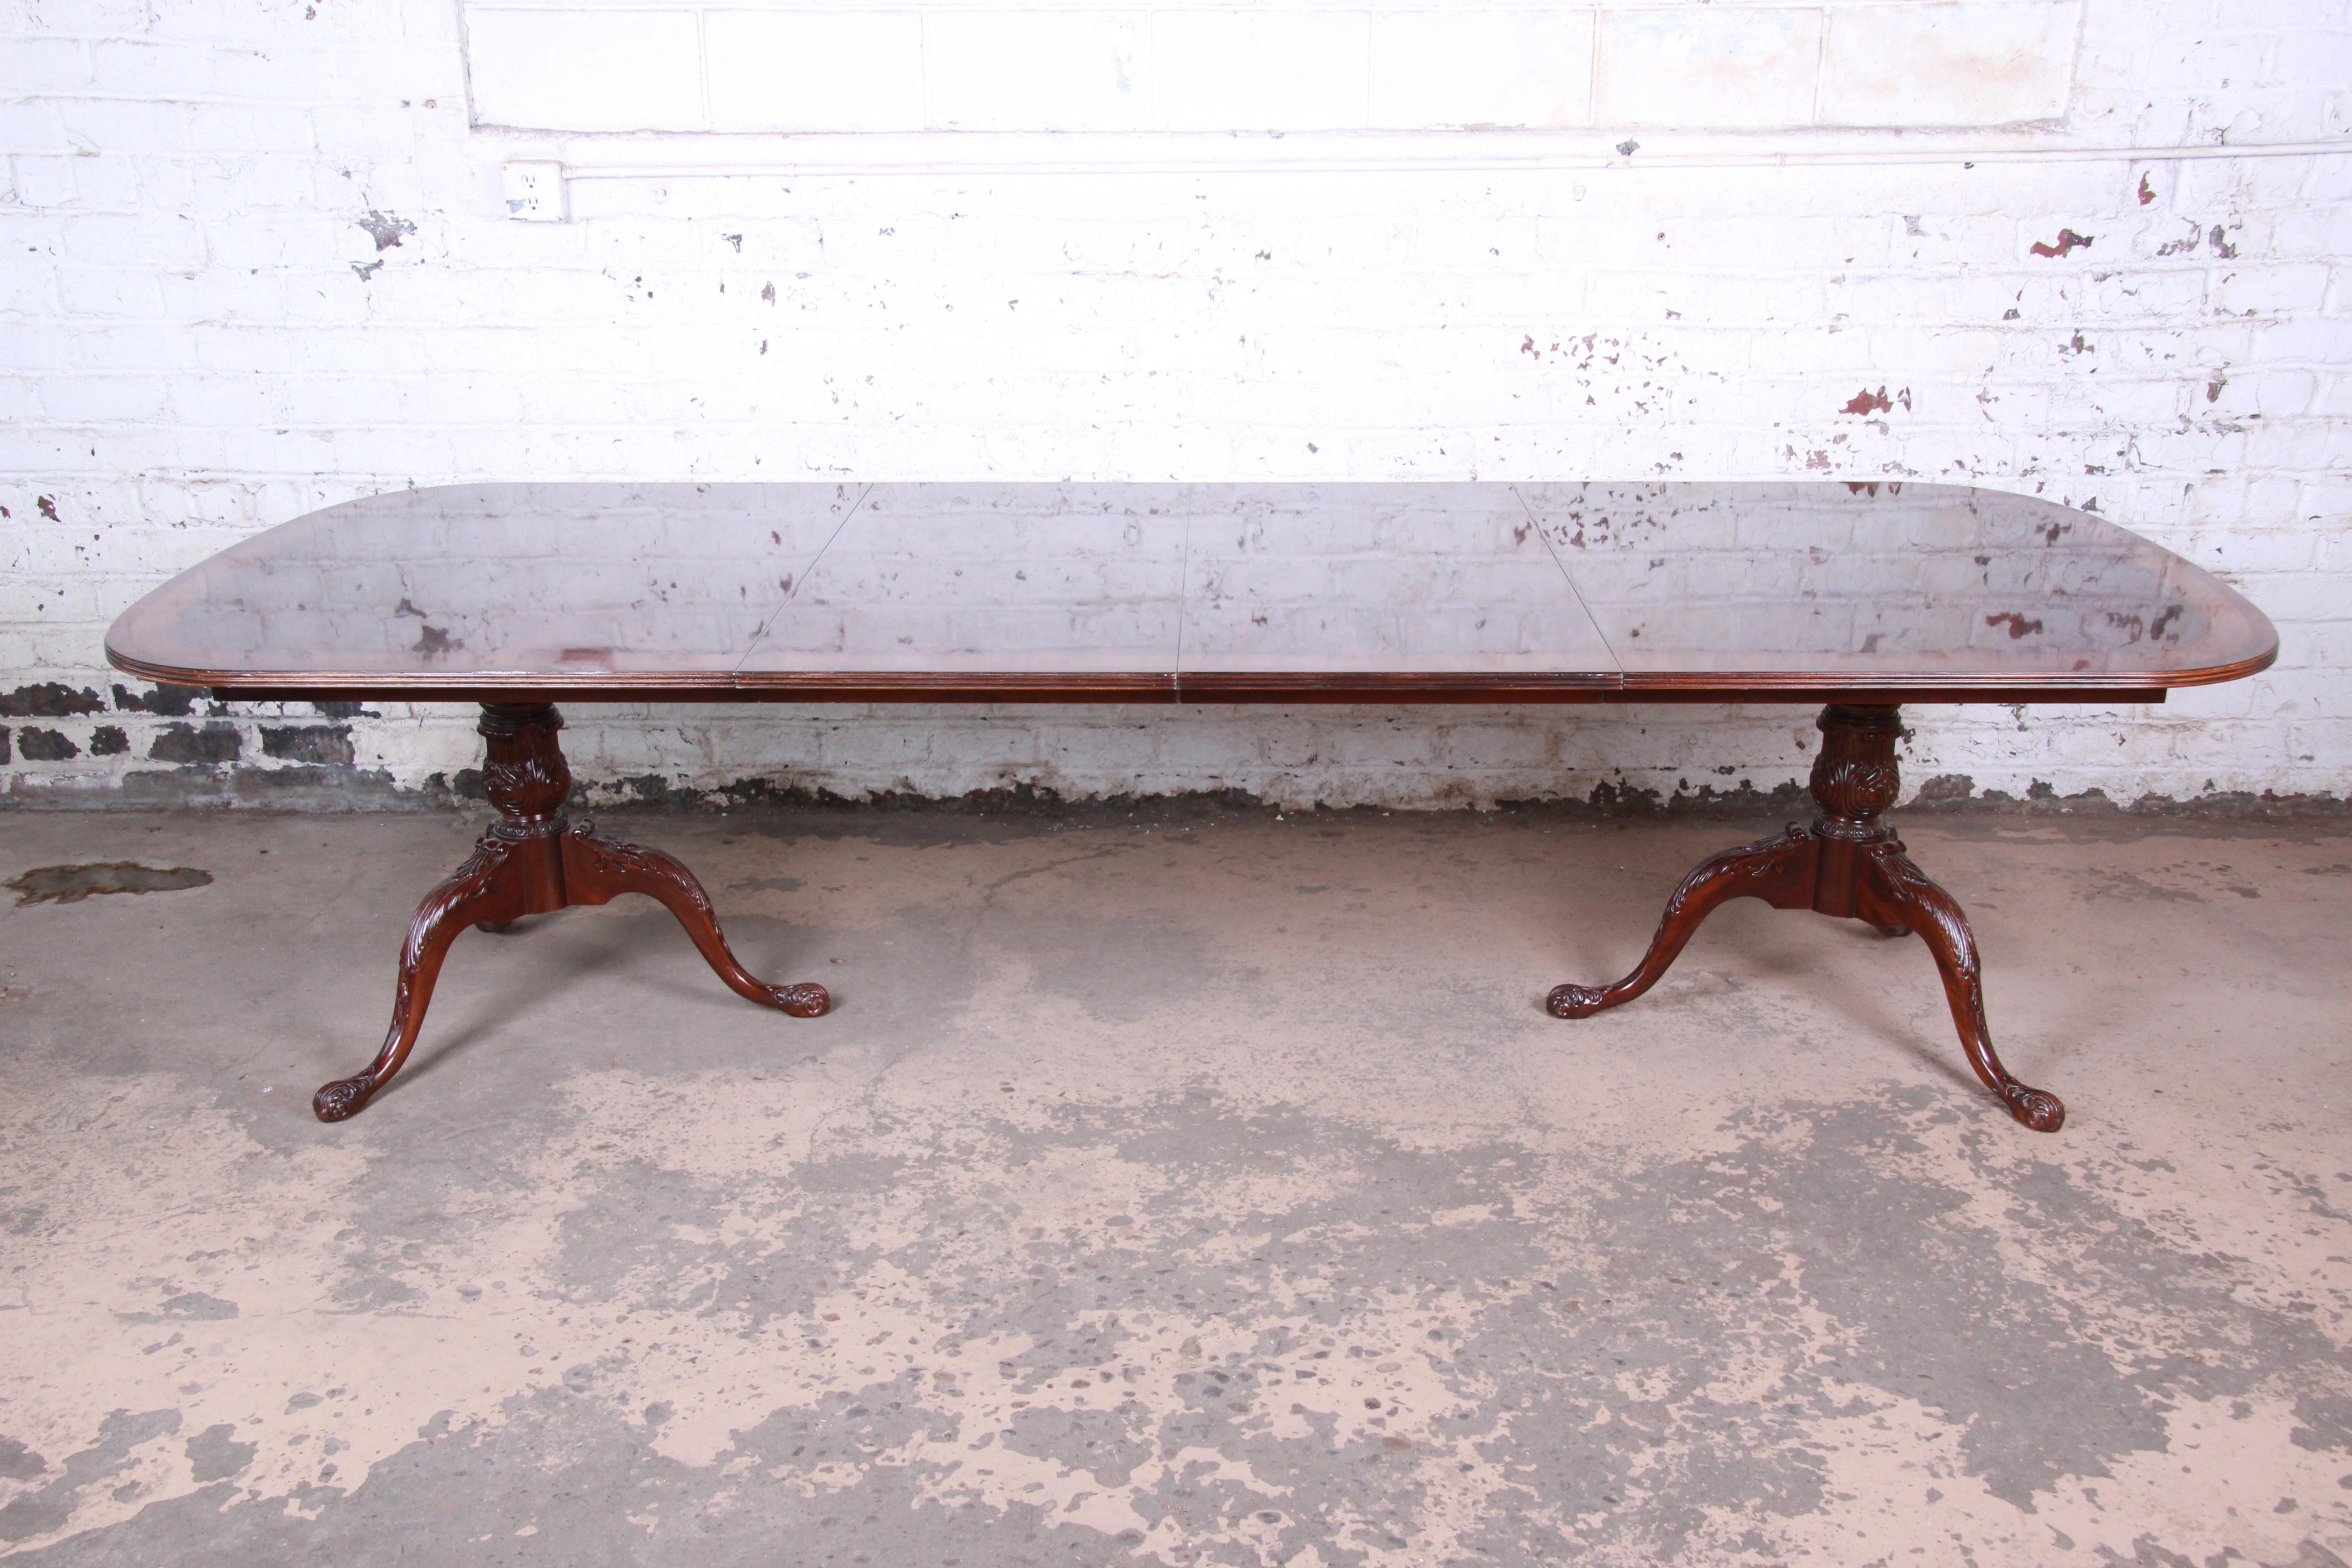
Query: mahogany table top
[[1797, 592]]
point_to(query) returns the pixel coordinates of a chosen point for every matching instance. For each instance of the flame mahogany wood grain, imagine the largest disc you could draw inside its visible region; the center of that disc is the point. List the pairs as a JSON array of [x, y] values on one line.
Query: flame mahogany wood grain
[[1850, 864], [535, 861], [979, 592]]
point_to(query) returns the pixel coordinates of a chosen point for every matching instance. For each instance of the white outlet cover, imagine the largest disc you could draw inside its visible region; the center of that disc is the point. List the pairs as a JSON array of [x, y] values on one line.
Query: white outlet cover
[[534, 192]]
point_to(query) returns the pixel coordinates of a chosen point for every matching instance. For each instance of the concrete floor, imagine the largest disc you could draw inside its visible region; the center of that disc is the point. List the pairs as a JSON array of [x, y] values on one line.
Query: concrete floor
[[1178, 1189]]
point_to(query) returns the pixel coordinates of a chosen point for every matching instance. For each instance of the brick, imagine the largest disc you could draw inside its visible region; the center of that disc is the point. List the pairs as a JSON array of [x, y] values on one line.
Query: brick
[[105, 399], [1732, 68], [584, 70], [2292, 446], [2242, 550], [1237, 70], [103, 291], [1975, 62], [125, 126], [2294, 287], [2334, 398], [2319, 230], [149, 68], [1460, 67], [274, 72], [241, 193], [162, 241], [45, 66], [43, 181], [815, 71], [1000, 70], [2161, 298]]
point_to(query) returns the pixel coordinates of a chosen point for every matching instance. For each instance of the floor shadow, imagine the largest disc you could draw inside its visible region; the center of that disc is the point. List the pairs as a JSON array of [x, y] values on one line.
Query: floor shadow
[[572, 946], [1773, 944]]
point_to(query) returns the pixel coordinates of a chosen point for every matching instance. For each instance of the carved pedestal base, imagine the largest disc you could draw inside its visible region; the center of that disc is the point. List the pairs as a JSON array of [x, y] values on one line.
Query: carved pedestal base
[[1849, 864], [534, 862]]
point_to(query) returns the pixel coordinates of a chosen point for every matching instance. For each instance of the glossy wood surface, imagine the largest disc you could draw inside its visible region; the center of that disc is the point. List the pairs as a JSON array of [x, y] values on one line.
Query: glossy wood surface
[[1196, 593]]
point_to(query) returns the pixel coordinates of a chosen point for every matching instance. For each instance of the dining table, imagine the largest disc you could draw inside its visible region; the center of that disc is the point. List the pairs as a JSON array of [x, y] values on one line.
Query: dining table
[[1858, 599]]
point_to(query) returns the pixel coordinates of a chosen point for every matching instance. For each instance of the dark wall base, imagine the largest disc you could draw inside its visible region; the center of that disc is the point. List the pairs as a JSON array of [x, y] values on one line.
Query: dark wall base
[[334, 787]]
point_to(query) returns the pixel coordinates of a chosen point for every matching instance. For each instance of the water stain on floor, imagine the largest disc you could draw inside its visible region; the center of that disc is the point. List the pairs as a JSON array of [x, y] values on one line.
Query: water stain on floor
[[72, 884]]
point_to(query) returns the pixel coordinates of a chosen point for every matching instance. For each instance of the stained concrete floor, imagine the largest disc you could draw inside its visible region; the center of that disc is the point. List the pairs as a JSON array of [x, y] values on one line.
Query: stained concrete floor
[[1176, 1190]]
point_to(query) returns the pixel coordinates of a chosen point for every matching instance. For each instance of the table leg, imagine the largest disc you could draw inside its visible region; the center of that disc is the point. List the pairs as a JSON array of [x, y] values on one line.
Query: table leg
[[535, 861], [595, 870], [1850, 864]]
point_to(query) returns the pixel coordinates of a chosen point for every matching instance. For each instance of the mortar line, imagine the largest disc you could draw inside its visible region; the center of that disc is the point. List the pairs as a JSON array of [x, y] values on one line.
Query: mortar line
[[1535, 162]]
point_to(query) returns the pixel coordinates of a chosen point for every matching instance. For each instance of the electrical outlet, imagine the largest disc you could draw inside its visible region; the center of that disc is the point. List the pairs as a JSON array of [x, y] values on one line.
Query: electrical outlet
[[534, 192]]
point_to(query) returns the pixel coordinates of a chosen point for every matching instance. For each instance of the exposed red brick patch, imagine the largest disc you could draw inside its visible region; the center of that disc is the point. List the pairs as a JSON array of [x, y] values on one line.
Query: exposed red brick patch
[[1867, 402], [2067, 240]]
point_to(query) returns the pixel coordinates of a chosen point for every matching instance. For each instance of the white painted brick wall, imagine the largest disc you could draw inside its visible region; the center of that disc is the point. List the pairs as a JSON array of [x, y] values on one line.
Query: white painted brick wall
[[852, 65], [203, 338]]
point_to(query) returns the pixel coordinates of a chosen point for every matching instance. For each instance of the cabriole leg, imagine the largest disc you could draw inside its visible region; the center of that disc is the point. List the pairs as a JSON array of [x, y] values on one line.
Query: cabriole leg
[[474, 896], [1895, 889], [595, 870], [1777, 870]]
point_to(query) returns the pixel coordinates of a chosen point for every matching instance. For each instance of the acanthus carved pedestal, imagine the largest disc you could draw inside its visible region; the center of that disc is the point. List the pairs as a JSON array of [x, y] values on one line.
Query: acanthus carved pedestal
[[1850, 864], [535, 861]]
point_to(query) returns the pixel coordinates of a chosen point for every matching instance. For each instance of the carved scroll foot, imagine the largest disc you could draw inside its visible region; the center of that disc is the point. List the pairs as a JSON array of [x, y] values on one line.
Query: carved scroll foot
[[597, 870], [1775, 870], [480, 892], [1567, 1001], [343, 1098], [2036, 1108]]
